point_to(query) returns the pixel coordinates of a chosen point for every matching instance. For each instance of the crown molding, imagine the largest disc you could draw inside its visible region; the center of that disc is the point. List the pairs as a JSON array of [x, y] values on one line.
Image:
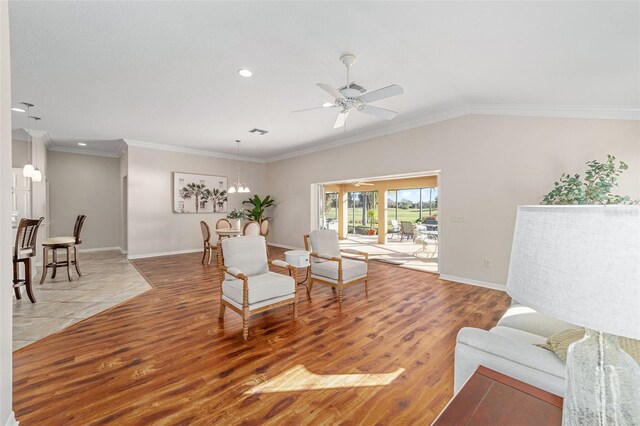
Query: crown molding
[[183, 150], [70, 150], [431, 119], [597, 112], [590, 112]]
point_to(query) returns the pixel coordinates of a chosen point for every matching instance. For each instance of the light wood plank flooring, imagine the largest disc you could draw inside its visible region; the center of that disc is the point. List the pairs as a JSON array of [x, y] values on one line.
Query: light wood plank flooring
[[163, 357]]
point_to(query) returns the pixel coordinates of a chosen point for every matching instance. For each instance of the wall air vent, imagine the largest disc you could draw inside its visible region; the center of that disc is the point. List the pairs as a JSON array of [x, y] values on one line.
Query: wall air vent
[[259, 131]]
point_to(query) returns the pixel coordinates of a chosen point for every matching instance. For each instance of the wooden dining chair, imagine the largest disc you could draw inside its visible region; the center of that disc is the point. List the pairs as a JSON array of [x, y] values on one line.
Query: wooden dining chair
[[23, 251], [223, 224], [66, 243], [206, 237], [264, 231], [251, 228]]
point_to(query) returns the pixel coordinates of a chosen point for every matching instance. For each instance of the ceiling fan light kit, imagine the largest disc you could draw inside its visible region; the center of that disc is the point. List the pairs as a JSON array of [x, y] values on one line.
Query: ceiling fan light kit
[[355, 97]]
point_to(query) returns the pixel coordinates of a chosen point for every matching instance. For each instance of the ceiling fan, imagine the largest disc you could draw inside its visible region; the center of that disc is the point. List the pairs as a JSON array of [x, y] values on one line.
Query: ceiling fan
[[354, 97], [359, 184]]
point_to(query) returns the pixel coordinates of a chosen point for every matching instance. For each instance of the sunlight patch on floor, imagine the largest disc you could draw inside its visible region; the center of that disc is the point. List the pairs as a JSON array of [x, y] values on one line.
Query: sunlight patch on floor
[[298, 378]]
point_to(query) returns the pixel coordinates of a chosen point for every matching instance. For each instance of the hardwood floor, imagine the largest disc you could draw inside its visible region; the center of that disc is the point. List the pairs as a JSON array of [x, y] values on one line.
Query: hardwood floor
[[164, 357]]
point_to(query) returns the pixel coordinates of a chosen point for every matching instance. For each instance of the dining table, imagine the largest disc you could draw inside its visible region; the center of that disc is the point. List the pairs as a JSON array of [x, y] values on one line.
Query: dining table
[[228, 232]]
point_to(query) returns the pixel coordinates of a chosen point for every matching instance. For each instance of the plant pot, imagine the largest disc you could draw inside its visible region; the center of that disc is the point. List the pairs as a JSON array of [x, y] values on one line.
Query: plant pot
[[236, 223], [371, 232]]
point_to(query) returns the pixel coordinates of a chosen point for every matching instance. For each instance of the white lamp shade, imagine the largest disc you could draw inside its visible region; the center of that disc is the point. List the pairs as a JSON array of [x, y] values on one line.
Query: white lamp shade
[[579, 264], [37, 175], [27, 170], [232, 189]]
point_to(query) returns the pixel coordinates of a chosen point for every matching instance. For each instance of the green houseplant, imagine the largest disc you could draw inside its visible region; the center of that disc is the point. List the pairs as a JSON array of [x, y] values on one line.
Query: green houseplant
[[236, 216], [599, 180], [258, 207], [371, 215]]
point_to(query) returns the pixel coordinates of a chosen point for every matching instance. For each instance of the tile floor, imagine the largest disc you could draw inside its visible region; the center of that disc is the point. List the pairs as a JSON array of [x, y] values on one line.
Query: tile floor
[[397, 252], [108, 279]]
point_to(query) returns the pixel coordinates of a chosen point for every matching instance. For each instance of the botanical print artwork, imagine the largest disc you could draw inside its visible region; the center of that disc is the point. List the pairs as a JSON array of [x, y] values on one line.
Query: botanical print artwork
[[199, 193]]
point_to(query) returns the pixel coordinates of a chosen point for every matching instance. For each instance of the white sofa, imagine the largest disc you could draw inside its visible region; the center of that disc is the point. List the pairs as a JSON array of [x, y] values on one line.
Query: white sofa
[[509, 348]]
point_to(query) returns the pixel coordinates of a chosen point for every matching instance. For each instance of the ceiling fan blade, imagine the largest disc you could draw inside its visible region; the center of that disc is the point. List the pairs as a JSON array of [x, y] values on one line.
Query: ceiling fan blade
[[309, 109], [387, 114], [341, 119], [330, 90], [385, 92]]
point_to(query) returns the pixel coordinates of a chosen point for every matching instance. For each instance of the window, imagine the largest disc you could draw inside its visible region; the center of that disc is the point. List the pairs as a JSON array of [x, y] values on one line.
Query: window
[[412, 204]]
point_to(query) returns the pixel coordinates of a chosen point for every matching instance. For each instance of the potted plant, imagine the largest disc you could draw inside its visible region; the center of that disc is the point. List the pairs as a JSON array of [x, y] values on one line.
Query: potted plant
[[371, 214], [595, 188], [258, 207], [236, 216]]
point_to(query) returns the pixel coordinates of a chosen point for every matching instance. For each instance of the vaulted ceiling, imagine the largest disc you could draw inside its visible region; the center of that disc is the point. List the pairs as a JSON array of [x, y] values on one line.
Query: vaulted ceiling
[[166, 72]]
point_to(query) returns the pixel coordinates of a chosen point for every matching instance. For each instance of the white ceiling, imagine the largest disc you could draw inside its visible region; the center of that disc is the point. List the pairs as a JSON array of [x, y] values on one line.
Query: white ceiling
[[165, 72]]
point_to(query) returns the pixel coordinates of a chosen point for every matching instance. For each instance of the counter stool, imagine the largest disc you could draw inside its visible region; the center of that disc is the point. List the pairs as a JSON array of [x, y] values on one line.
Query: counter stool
[[23, 251], [66, 243]]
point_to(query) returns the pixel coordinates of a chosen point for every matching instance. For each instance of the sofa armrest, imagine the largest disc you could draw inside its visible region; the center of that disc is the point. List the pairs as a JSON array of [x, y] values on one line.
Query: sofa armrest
[[521, 360]]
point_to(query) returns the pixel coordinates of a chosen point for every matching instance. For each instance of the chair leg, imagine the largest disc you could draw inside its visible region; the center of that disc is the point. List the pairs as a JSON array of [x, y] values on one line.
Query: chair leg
[[366, 286], [245, 325], [76, 260], [27, 280], [223, 307], [68, 262], [210, 253], [295, 306], [310, 287], [55, 262], [339, 294], [15, 280], [204, 254], [45, 262]]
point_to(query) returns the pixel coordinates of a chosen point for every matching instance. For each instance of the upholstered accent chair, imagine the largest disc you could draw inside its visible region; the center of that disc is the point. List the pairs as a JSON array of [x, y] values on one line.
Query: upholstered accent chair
[[246, 284], [329, 267]]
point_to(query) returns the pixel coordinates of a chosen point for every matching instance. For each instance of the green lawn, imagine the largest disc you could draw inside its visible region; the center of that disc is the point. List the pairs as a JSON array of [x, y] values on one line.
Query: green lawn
[[410, 215]]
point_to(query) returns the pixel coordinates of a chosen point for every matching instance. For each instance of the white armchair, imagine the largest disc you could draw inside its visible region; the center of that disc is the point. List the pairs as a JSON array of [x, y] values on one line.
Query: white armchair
[[246, 284], [329, 267]]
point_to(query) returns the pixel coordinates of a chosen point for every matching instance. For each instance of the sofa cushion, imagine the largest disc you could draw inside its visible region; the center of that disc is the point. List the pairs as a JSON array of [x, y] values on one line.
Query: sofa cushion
[[559, 343], [523, 336], [526, 319], [248, 254], [261, 287], [351, 270]]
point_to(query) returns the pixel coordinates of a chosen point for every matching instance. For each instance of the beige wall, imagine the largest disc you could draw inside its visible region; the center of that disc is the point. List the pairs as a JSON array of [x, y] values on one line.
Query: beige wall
[[19, 153], [89, 185], [152, 226], [488, 164]]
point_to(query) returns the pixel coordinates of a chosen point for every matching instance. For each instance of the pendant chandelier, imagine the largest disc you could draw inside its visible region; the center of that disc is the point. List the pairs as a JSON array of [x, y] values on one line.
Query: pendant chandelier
[[37, 174], [237, 186], [27, 170]]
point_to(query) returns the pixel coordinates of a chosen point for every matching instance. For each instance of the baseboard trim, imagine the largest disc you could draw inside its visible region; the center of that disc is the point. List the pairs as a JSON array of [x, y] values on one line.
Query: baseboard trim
[[90, 250], [284, 246], [162, 253], [470, 281], [122, 251], [11, 420]]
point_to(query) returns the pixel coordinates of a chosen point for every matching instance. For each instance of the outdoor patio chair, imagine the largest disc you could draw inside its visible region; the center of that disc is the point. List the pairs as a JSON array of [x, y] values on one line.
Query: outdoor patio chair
[[406, 230], [246, 284], [395, 228], [329, 267]]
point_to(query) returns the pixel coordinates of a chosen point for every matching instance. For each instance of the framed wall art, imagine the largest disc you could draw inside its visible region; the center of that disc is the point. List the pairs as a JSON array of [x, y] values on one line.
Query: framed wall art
[[194, 193]]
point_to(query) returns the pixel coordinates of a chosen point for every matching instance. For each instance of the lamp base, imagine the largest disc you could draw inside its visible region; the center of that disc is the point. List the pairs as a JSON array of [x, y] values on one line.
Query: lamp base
[[603, 383]]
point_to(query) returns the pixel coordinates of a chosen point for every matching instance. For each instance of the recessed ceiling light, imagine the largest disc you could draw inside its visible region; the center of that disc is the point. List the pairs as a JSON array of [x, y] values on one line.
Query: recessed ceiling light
[[245, 73], [17, 109], [327, 104], [82, 144]]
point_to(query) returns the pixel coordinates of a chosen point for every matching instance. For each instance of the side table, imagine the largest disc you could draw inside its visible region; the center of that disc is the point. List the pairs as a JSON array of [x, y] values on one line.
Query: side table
[[492, 398], [299, 259]]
